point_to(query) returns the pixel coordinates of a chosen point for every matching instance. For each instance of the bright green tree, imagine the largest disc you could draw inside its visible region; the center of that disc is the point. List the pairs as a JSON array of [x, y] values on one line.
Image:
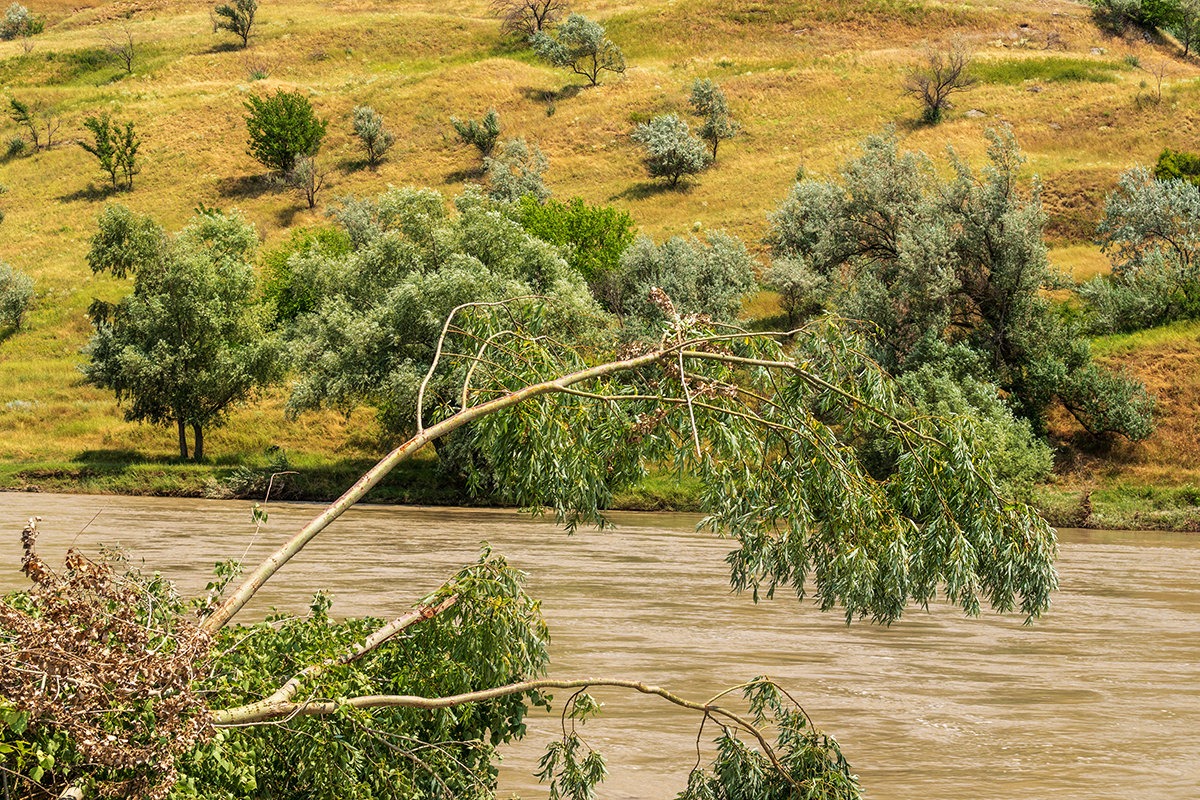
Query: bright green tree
[[190, 341], [580, 45], [282, 127], [114, 146], [593, 238]]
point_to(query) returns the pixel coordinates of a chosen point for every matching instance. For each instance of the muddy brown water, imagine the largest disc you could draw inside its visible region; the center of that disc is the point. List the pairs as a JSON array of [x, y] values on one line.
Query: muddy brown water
[[1099, 699]]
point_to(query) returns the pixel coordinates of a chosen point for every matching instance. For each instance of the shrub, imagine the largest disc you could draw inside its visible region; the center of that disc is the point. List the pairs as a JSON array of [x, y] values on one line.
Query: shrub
[[16, 294], [592, 238], [19, 23], [236, 17], [16, 147], [482, 134], [580, 45], [516, 172], [941, 73], [671, 149], [34, 117], [1175, 165], [524, 18], [282, 127], [376, 140], [306, 177]]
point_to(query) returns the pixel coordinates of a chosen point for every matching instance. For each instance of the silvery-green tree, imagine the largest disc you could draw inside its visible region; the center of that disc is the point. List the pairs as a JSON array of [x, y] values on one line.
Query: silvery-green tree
[[671, 149], [708, 101], [923, 259], [19, 22], [190, 341], [375, 139], [380, 307], [709, 277], [1151, 233], [580, 45], [516, 171]]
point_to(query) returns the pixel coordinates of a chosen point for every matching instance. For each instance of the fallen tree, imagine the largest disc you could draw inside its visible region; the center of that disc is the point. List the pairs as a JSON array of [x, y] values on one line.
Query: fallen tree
[[111, 690]]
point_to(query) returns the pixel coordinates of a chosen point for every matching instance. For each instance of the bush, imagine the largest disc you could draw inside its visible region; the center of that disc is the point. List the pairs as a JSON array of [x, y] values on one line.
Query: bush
[[376, 140], [16, 147], [593, 238], [16, 294], [482, 134], [19, 23], [580, 45], [516, 172], [282, 127], [671, 149], [1176, 165]]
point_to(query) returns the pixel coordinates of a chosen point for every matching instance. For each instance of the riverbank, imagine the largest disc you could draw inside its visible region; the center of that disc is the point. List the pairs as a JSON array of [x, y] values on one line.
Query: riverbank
[[1117, 507]]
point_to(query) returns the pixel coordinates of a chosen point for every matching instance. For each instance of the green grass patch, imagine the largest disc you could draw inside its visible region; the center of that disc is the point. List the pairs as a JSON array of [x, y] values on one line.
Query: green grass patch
[[1182, 330], [1056, 69]]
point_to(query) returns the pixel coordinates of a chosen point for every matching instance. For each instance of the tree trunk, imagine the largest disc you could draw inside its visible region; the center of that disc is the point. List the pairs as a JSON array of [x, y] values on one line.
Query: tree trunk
[[198, 442], [183, 453]]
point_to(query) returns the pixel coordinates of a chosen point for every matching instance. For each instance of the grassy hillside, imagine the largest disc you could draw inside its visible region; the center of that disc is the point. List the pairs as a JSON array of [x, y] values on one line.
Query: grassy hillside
[[807, 79]]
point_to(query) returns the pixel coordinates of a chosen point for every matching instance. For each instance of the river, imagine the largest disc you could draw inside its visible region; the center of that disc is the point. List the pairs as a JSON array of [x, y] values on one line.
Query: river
[[1099, 699]]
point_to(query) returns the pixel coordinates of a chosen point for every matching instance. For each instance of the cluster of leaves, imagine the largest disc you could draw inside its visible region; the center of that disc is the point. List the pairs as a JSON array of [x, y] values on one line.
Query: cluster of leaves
[[481, 134], [922, 259], [1181, 17], [191, 340], [516, 172], [580, 45], [1151, 231], [16, 294], [20, 23], [281, 289], [493, 635]]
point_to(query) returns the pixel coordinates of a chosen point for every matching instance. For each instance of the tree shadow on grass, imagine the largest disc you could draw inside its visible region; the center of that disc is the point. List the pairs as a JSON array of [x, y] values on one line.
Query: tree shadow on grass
[[225, 47], [474, 174], [647, 189], [245, 186], [91, 194], [549, 96], [123, 456]]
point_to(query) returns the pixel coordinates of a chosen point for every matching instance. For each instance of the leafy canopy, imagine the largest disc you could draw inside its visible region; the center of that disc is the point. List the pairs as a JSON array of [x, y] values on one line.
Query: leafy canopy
[[282, 127], [190, 341], [580, 45]]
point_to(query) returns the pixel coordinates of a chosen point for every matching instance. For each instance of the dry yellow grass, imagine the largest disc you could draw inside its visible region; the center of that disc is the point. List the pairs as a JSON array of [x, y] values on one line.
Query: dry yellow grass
[[807, 80]]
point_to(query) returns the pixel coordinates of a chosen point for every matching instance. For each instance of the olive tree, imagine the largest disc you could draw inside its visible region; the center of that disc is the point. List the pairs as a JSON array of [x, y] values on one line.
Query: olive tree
[[1151, 233], [516, 171], [373, 712], [707, 277], [378, 308], [923, 259], [237, 18], [708, 101], [375, 139], [580, 45], [190, 341], [481, 134], [671, 149], [282, 127]]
